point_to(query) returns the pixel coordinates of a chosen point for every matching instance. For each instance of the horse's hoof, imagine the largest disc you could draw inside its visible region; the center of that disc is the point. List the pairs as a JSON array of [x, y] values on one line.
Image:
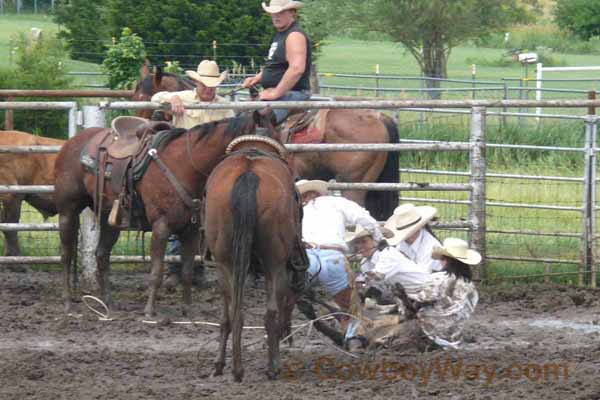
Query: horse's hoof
[[272, 375], [238, 376], [218, 370]]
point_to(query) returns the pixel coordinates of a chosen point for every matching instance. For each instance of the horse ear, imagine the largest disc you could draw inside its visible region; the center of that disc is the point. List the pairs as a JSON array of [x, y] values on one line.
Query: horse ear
[[144, 70], [158, 74]]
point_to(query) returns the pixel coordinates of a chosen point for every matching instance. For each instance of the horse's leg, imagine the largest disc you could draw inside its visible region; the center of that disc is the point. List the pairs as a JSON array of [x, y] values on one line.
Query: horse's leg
[[160, 235], [276, 284], [108, 237], [226, 290], [68, 223], [189, 247], [10, 213]]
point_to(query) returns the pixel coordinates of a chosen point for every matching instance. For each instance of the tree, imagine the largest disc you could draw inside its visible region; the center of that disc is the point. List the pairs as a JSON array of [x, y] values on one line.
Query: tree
[[184, 30], [428, 29], [123, 60], [580, 17], [87, 32]]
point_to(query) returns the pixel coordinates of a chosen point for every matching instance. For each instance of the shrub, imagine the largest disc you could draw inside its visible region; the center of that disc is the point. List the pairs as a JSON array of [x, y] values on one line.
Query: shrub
[[123, 60], [39, 65]]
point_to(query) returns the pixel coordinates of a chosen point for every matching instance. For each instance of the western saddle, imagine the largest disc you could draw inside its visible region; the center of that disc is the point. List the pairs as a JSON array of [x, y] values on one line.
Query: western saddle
[[120, 154]]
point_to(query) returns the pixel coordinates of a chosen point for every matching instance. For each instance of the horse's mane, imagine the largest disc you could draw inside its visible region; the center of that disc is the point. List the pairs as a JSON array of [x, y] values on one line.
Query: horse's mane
[[146, 84], [236, 126]]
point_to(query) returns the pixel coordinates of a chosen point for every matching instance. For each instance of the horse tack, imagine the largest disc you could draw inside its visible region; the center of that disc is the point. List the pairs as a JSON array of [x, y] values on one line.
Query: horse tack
[[112, 155]]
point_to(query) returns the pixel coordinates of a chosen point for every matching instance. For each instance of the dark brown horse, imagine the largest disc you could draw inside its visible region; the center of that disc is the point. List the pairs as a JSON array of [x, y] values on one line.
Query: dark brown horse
[[190, 158], [253, 223], [25, 169], [341, 126], [159, 81]]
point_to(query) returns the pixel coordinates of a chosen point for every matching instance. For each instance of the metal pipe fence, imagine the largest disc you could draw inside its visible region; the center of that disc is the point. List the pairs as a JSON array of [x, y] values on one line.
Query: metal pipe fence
[[477, 205]]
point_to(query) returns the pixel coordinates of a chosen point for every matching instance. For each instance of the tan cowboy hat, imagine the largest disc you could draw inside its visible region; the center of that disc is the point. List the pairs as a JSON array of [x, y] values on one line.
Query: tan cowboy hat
[[277, 6], [318, 186], [408, 219], [207, 74], [457, 249], [360, 232]]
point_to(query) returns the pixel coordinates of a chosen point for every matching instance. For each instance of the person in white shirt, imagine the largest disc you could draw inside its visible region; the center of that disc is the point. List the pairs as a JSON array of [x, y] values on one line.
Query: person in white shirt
[[324, 223], [207, 78], [439, 311], [382, 262], [413, 237]]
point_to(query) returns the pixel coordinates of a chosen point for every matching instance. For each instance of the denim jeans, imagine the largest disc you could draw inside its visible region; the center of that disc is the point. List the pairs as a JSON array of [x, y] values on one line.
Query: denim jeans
[[327, 267], [292, 95]]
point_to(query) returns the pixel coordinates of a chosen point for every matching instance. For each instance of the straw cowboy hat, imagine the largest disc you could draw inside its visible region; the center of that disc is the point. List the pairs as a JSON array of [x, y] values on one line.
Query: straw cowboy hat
[[277, 6], [318, 186], [360, 232], [408, 219], [207, 74], [457, 249]]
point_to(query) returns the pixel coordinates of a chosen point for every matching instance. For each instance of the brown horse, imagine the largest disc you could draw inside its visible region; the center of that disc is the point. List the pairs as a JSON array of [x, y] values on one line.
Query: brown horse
[[25, 169], [190, 158], [160, 81], [253, 223], [342, 126]]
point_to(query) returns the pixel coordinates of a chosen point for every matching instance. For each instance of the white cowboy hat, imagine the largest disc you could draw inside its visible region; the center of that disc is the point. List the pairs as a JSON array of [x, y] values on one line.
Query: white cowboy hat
[[207, 74], [360, 232], [457, 249], [318, 186], [408, 219], [277, 6]]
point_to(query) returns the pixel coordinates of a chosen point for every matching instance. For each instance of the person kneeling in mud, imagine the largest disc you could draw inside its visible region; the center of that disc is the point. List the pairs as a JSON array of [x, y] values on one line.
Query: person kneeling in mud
[[437, 314], [323, 226], [384, 262]]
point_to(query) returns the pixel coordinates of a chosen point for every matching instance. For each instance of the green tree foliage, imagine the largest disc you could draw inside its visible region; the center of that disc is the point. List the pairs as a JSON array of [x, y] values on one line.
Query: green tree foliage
[[428, 29], [39, 65], [184, 30], [580, 17], [86, 28], [123, 60]]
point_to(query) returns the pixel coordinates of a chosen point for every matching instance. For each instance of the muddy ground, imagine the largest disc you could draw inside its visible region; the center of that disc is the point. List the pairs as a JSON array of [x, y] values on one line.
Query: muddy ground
[[532, 342]]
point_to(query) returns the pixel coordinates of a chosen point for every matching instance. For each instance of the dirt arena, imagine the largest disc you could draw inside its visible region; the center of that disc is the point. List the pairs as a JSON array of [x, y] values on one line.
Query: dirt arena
[[532, 342]]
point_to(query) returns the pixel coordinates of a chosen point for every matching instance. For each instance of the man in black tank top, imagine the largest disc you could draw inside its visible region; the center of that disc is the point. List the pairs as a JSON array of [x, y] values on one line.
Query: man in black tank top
[[286, 75]]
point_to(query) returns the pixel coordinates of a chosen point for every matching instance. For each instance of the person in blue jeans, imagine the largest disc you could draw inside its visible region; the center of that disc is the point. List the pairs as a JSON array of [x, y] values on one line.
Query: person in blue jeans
[[286, 75], [174, 269], [323, 230]]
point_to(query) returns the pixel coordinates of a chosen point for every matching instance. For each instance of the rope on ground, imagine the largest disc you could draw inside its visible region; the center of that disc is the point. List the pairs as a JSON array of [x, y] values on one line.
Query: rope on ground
[[105, 317], [101, 316]]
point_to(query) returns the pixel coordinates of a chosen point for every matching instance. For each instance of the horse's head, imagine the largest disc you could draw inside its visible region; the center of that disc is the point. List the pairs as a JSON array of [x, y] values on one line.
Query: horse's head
[[265, 123], [150, 84]]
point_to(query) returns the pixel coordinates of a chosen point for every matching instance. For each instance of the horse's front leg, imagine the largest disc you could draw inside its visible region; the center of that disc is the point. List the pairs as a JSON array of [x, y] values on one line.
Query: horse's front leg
[[10, 213], [160, 235], [68, 223], [108, 237], [189, 247]]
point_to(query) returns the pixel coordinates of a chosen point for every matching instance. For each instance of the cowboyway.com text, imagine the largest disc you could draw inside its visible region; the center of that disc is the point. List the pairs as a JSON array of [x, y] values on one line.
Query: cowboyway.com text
[[425, 371]]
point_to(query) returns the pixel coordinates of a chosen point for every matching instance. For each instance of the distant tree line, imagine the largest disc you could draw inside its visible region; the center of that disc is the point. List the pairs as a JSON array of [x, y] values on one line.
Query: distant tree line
[[175, 30]]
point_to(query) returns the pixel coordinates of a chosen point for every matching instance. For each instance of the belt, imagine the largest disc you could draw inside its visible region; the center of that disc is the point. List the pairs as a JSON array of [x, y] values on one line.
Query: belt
[[326, 247]]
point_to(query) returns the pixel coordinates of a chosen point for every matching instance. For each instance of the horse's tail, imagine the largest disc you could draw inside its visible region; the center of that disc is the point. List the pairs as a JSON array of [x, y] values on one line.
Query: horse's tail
[[243, 205], [381, 204]]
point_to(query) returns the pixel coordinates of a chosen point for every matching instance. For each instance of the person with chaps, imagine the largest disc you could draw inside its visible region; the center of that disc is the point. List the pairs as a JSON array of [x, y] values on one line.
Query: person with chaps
[[413, 236], [382, 262], [207, 78], [437, 314], [286, 75], [323, 226]]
